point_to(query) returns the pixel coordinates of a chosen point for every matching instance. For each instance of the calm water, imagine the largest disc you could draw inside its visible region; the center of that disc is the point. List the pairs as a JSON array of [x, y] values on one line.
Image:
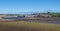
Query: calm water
[[53, 22], [41, 20]]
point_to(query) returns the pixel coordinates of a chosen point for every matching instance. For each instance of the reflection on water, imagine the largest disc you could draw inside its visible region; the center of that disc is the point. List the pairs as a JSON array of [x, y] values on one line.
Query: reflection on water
[[53, 22]]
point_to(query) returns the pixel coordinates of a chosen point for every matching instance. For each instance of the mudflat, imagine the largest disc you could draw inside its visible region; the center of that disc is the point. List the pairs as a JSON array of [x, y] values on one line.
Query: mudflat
[[28, 26]]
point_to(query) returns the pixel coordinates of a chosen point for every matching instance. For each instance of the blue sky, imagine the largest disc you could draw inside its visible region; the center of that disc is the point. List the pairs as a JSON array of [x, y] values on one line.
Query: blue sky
[[29, 6]]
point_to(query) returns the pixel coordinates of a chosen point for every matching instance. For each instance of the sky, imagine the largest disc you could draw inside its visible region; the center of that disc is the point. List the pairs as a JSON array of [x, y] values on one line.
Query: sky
[[28, 6]]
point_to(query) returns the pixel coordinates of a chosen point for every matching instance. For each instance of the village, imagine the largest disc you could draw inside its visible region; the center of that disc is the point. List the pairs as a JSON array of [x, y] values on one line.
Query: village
[[33, 16]]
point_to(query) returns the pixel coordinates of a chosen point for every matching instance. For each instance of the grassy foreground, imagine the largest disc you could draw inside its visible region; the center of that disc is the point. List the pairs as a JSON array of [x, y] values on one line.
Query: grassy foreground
[[14, 26]]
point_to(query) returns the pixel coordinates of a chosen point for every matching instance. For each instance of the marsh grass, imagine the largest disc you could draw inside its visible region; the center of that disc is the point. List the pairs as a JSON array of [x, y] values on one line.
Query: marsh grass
[[28, 26]]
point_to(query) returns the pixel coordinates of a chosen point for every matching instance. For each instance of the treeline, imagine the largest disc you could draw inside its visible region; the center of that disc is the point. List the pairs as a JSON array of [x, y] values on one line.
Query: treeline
[[53, 14], [49, 14]]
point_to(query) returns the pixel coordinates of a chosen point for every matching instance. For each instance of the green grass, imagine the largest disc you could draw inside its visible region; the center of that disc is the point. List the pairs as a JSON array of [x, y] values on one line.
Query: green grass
[[41, 26]]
